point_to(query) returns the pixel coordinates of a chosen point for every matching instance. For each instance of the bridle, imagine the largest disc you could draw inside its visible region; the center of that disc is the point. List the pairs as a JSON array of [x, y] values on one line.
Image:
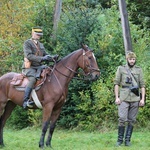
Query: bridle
[[84, 54], [89, 67]]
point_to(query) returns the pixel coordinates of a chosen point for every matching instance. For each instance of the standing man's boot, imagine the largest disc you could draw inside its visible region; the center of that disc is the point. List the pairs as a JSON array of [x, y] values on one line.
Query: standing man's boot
[[26, 99], [121, 130], [128, 135]]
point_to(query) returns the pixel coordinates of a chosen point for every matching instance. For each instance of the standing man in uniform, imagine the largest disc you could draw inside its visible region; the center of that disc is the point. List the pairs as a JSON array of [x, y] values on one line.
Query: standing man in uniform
[[128, 81], [34, 55]]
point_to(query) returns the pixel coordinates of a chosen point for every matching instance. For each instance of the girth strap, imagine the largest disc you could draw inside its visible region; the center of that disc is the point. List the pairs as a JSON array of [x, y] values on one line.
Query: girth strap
[[35, 99]]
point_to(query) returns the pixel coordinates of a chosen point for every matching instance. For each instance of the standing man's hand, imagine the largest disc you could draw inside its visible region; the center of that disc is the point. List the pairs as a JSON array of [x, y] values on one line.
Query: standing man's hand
[[117, 101], [142, 103]]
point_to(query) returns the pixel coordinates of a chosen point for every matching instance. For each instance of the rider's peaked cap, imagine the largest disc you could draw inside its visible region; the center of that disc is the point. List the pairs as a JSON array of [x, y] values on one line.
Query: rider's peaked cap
[[37, 30], [130, 55]]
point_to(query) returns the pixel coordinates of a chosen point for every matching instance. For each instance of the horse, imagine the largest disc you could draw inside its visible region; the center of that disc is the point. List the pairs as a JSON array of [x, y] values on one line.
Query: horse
[[52, 93]]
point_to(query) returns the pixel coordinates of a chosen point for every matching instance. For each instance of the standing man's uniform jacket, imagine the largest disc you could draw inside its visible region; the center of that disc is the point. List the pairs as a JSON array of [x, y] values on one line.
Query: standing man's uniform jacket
[[121, 79]]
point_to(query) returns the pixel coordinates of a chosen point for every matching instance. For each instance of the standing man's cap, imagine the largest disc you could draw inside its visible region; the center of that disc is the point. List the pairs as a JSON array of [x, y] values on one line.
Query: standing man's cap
[[130, 55], [37, 30]]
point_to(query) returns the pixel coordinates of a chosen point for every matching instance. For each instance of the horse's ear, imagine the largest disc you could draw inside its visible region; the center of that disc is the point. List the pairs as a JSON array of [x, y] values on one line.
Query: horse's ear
[[82, 45], [85, 47]]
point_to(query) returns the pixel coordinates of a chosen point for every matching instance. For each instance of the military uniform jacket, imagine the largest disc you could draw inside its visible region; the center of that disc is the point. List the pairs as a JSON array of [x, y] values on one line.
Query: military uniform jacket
[[122, 74], [34, 55]]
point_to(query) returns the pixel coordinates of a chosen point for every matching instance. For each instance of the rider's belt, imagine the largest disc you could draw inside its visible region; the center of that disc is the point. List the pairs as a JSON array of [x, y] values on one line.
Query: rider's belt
[[125, 87]]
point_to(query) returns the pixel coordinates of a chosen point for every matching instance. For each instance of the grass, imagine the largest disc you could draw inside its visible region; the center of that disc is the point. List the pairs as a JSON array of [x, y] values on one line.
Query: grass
[[27, 139]]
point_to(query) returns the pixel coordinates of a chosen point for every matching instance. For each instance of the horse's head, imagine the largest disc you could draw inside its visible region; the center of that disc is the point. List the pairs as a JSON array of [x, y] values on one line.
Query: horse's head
[[88, 63]]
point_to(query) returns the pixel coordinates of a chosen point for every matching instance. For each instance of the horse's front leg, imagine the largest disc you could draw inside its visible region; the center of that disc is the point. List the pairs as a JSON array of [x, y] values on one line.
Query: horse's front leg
[[47, 110], [53, 121], [44, 129], [51, 130]]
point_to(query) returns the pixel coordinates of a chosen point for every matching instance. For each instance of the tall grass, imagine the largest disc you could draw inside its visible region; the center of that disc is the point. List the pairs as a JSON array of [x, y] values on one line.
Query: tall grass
[[27, 139]]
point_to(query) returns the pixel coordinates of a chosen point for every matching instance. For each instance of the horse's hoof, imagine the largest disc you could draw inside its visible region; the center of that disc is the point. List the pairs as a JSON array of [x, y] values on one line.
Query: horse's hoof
[[41, 146], [48, 145]]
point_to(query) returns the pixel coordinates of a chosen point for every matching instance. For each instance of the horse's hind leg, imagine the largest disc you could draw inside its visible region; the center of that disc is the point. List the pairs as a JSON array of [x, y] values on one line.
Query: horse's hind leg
[[7, 112]]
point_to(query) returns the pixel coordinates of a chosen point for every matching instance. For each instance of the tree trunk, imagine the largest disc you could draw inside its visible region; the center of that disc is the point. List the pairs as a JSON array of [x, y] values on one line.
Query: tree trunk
[[56, 19], [125, 26]]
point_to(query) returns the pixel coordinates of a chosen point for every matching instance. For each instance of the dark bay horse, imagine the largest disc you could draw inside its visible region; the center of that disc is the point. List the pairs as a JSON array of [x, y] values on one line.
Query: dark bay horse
[[53, 92]]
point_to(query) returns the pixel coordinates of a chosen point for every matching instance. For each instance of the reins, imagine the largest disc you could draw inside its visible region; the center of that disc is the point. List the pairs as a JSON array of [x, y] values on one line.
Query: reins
[[69, 76], [75, 72]]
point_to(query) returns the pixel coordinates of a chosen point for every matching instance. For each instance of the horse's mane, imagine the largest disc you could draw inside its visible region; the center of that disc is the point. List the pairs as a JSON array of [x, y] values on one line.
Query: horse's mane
[[69, 55]]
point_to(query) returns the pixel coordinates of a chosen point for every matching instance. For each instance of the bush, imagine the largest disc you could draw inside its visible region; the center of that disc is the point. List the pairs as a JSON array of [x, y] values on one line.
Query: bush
[[89, 105], [18, 119]]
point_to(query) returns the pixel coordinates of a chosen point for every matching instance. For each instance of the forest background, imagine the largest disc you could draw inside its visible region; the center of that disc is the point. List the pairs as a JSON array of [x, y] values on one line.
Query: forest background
[[90, 105]]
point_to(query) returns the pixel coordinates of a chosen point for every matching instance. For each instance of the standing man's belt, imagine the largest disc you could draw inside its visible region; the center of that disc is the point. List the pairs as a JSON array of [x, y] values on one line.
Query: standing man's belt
[[125, 86]]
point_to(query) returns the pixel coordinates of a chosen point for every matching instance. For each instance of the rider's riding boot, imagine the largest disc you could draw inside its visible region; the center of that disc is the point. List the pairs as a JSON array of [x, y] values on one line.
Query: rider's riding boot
[[26, 99], [128, 135], [120, 135]]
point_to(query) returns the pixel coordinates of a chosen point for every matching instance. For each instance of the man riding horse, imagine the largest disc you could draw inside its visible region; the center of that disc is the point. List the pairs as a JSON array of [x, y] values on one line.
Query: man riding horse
[[34, 55], [53, 92]]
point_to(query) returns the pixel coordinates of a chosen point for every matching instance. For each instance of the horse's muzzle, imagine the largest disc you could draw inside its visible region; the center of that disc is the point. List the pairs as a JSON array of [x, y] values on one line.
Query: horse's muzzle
[[95, 76]]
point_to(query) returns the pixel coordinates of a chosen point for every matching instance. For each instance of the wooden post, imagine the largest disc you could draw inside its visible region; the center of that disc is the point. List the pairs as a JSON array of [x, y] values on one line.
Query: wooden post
[[57, 13], [125, 26]]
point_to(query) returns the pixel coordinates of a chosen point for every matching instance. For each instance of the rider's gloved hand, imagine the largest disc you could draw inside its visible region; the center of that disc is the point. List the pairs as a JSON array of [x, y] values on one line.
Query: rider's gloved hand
[[46, 58], [55, 57]]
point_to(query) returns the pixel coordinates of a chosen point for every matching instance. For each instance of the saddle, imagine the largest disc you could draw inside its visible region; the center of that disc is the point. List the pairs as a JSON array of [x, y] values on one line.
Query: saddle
[[20, 81]]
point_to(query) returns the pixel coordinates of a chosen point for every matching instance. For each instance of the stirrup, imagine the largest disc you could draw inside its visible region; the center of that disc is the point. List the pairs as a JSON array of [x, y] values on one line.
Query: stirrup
[[30, 104]]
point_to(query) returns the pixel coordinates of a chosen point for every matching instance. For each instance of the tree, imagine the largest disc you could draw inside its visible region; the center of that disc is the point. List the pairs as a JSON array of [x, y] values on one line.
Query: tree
[[15, 19], [56, 19], [139, 12], [125, 26]]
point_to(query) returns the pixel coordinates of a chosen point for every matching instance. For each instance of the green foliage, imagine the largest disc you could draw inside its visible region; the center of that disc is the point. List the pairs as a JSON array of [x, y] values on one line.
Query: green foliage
[[107, 42], [35, 117], [11, 57], [75, 26], [89, 105], [18, 119], [21, 118], [97, 102], [44, 19], [67, 117], [139, 12], [141, 47], [97, 107], [16, 18]]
